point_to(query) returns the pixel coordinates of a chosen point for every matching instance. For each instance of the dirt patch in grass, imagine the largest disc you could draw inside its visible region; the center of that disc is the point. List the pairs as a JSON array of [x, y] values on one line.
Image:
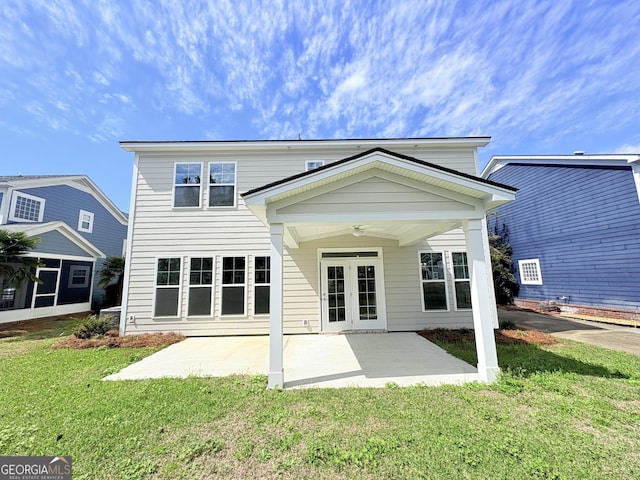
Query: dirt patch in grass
[[13, 329], [516, 336], [112, 340]]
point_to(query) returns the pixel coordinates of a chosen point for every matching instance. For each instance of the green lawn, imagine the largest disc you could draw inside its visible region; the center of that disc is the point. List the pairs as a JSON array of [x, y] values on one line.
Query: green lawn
[[567, 411]]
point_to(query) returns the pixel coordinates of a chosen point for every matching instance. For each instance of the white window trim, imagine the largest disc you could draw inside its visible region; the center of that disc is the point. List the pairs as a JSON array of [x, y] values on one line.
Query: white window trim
[[189, 286], [91, 216], [421, 281], [224, 285], [234, 184], [14, 201], [174, 185], [307, 165], [157, 287], [536, 263], [454, 279], [267, 284], [73, 268]]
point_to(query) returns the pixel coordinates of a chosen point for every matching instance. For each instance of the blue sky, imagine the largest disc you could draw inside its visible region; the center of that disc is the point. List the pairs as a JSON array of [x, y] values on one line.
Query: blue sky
[[538, 76]]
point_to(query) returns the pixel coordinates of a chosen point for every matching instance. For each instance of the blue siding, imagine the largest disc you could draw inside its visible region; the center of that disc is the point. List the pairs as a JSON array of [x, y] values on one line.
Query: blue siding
[[584, 226], [57, 244], [63, 203]]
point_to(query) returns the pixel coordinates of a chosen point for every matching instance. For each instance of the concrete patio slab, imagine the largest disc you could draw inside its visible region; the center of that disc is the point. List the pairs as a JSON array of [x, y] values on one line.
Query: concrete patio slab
[[329, 361]]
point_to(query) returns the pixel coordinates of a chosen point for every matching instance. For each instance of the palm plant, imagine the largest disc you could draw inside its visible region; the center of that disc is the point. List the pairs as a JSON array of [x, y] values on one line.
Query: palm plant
[[112, 273], [15, 267]]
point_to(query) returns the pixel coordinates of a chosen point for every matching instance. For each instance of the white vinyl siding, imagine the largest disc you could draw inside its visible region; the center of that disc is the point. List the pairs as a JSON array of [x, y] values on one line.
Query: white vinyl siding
[[530, 273], [187, 185], [227, 232], [26, 208]]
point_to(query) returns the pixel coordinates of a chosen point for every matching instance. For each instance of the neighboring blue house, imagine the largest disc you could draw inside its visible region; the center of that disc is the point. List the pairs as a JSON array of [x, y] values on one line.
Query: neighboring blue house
[[574, 228], [78, 226]]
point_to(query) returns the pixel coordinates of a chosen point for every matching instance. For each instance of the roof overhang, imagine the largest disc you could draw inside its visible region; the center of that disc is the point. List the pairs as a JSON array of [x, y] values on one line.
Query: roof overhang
[[237, 145], [604, 160], [36, 229], [463, 197]]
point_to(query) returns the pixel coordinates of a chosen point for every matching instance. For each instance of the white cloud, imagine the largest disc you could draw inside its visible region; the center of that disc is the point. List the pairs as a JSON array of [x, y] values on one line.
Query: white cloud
[[633, 149]]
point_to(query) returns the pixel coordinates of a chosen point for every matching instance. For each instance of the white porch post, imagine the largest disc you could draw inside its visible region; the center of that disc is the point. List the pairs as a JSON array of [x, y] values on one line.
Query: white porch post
[[276, 369], [482, 300], [489, 269]]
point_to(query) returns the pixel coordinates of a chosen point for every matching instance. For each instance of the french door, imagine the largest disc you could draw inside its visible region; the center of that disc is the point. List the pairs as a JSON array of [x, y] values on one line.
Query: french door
[[352, 294]]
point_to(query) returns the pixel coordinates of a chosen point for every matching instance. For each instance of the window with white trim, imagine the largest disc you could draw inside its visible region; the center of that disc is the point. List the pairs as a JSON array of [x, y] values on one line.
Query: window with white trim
[[222, 184], [200, 287], [85, 221], [79, 276], [167, 294], [530, 273], [433, 281], [313, 164], [461, 283], [26, 208], [186, 185], [261, 285], [234, 277]]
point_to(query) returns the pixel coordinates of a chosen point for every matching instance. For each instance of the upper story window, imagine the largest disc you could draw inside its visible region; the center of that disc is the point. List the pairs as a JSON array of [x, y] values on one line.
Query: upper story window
[[26, 208], [313, 164], [85, 221], [530, 273], [222, 184], [186, 185]]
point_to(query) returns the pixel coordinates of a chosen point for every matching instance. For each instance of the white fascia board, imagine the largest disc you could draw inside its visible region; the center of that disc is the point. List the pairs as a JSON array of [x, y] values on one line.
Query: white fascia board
[[133, 146], [602, 160]]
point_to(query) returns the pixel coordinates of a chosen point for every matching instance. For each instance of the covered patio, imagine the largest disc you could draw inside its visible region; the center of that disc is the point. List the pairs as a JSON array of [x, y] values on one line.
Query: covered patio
[[388, 196], [323, 361]]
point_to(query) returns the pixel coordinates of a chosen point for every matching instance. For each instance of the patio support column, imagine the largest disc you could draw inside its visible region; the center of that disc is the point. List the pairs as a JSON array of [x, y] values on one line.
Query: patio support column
[[481, 300], [276, 369]]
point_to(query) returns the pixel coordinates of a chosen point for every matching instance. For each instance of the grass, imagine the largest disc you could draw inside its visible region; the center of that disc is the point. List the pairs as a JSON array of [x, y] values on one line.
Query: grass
[[565, 411]]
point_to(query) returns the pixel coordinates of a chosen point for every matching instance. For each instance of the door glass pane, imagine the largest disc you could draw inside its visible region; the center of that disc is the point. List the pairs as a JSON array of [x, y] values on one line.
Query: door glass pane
[[336, 294], [367, 292], [49, 280]]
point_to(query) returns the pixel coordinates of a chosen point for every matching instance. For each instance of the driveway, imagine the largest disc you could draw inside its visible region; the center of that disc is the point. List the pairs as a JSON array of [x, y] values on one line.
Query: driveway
[[333, 361], [614, 337]]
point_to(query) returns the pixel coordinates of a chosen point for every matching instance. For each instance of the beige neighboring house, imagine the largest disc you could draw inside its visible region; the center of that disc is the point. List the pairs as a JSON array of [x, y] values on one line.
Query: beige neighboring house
[[311, 236]]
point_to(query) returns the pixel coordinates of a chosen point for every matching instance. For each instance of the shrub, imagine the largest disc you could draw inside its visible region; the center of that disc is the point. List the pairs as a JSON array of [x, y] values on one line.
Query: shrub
[[507, 325], [93, 326]]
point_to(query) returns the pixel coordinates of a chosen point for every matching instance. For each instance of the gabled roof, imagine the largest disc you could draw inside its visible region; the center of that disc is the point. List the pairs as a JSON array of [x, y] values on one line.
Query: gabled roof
[[414, 160], [81, 182], [36, 229], [575, 160]]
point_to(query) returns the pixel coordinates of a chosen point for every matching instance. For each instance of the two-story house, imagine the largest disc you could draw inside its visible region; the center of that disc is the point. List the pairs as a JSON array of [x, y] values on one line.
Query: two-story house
[[574, 230], [309, 236], [77, 226]]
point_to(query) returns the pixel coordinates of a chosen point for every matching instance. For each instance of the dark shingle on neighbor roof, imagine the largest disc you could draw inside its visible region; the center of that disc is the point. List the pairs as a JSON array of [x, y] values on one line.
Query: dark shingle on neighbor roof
[[385, 151]]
